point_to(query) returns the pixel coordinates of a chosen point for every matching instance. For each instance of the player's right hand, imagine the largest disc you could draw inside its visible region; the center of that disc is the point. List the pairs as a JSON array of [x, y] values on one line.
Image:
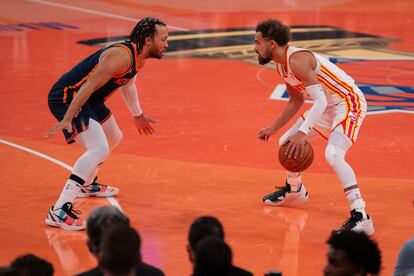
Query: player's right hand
[[143, 124], [59, 126], [265, 133]]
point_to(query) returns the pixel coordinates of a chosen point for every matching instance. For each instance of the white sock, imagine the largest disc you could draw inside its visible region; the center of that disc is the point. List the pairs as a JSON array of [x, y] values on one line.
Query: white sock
[[335, 152], [358, 204], [68, 194], [294, 180], [91, 178]]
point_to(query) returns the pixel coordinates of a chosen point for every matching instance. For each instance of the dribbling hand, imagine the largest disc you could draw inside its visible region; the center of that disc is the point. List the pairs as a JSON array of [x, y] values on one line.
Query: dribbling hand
[[296, 144]]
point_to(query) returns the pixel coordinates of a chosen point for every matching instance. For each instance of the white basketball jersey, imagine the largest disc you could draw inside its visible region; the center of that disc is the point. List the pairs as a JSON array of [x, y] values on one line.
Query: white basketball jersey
[[337, 85]]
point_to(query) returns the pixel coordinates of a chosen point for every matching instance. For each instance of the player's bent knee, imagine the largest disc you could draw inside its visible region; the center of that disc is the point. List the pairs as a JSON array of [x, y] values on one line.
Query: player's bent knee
[[331, 154], [101, 151]]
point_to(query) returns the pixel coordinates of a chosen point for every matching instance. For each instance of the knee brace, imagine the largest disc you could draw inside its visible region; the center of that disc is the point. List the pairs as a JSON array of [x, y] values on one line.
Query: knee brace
[[100, 152], [333, 153]]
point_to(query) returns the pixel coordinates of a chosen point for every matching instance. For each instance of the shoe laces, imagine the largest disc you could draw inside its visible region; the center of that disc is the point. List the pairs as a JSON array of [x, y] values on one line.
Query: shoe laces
[[282, 190], [73, 214], [352, 221], [93, 187], [68, 208], [94, 183]]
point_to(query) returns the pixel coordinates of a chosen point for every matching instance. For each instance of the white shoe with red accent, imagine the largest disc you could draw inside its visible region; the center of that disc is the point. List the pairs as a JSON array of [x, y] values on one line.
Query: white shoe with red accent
[[98, 190], [65, 218]]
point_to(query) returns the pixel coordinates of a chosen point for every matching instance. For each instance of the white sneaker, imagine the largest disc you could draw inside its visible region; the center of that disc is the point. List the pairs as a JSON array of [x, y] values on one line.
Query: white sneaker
[[97, 190], [285, 196], [358, 223], [65, 218]]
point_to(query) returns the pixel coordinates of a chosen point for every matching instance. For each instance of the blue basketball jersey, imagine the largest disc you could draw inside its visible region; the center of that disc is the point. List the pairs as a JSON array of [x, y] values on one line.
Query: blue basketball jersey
[[68, 85]]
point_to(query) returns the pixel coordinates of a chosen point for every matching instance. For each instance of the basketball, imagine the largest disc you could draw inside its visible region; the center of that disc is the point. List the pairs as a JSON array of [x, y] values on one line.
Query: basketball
[[300, 163]]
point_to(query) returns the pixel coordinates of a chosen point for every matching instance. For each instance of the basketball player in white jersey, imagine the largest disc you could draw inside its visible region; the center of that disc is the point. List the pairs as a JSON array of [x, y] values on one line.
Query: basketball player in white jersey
[[338, 110]]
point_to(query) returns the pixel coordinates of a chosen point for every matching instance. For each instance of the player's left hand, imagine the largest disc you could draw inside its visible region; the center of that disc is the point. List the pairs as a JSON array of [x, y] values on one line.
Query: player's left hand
[[265, 133], [64, 124], [296, 144], [142, 123]]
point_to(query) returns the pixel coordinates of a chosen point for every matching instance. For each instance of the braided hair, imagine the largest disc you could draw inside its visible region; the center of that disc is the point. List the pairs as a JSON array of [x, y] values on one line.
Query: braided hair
[[146, 27]]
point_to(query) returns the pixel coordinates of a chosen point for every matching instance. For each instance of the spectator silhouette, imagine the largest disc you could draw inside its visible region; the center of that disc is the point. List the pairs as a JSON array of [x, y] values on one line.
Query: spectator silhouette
[[352, 253], [100, 220], [9, 271], [31, 265], [405, 261], [203, 227], [119, 251], [213, 257]]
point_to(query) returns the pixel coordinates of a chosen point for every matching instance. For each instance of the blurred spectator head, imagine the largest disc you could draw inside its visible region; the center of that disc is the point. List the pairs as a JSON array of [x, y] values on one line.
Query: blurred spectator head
[[352, 253], [201, 228], [99, 221], [30, 265], [213, 257], [119, 251], [9, 271]]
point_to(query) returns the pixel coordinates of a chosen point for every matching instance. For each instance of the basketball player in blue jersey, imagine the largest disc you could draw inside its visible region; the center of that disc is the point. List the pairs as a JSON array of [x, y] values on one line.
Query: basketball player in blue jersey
[[77, 100], [337, 113]]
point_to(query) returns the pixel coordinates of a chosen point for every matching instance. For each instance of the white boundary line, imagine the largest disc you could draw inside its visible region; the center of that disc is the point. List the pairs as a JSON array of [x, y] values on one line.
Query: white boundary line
[[74, 8], [111, 200]]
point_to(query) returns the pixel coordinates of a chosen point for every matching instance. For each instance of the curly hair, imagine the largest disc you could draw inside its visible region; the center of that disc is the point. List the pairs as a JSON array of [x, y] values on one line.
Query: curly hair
[[146, 27], [275, 30], [359, 248]]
